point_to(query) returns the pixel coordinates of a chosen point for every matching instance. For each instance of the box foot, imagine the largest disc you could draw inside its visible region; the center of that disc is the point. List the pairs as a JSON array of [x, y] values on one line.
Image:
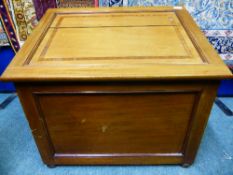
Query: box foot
[[185, 165], [51, 166]]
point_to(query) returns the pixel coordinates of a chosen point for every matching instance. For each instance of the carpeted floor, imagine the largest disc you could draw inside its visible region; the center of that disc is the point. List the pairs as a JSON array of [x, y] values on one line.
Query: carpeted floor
[[19, 155]]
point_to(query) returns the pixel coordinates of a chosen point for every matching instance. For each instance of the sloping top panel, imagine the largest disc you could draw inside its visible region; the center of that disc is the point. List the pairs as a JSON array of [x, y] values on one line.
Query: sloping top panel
[[118, 43]]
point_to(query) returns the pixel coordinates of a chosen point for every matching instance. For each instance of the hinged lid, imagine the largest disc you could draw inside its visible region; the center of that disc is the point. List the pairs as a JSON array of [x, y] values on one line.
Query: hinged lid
[[116, 43]]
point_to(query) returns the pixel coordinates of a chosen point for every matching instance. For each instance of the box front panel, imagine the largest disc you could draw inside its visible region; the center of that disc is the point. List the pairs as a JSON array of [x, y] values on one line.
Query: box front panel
[[122, 122], [117, 122]]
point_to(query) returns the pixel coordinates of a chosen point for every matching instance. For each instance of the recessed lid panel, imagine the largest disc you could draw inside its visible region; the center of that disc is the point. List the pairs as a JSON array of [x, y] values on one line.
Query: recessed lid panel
[[146, 37], [117, 43]]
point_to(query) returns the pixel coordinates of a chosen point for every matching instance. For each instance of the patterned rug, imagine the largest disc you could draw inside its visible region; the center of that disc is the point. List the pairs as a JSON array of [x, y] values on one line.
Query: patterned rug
[[3, 37], [222, 41]]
